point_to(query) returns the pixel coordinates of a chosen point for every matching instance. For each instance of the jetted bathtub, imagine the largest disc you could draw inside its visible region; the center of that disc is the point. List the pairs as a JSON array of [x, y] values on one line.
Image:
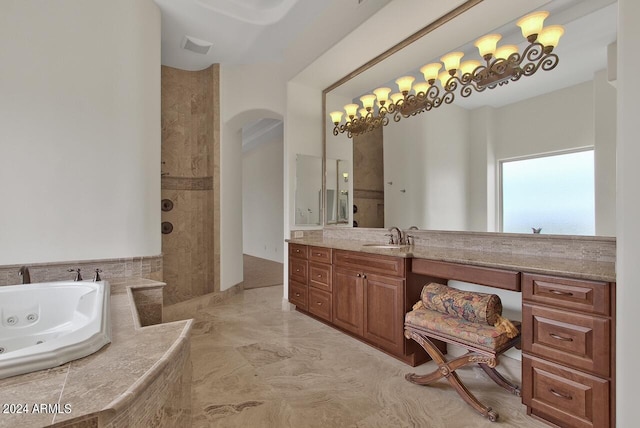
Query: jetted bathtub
[[45, 325]]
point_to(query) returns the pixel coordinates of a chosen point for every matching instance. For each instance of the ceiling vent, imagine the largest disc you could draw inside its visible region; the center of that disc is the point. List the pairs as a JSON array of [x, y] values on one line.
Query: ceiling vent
[[196, 45]]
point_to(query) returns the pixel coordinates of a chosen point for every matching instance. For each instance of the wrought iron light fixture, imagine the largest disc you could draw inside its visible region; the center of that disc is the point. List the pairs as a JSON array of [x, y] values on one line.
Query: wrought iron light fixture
[[502, 64]]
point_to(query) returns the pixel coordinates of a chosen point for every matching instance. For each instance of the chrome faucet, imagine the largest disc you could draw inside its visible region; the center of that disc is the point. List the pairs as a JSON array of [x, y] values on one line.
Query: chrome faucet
[[24, 273], [399, 239], [96, 277], [77, 276]]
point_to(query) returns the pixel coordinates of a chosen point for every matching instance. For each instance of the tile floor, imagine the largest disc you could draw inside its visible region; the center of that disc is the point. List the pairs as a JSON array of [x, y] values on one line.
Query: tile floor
[[255, 365]]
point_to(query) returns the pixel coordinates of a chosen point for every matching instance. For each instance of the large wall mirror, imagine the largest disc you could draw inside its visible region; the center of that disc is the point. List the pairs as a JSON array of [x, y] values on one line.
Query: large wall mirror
[[463, 166]]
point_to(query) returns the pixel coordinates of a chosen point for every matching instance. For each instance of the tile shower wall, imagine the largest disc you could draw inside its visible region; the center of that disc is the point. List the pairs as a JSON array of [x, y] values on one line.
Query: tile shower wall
[[368, 185], [190, 157]]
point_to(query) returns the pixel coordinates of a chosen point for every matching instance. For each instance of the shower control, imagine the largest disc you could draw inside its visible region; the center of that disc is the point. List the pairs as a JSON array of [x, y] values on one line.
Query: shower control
[[167, 205], [167, 227], [32, 317], [12, 320]]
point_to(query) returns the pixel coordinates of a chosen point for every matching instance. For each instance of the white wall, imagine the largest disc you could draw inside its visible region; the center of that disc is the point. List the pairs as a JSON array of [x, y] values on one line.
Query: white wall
[[604, 117], [263, 199], [79, 130], [426, 156], [628, 213], [247, 93], [555, 121]]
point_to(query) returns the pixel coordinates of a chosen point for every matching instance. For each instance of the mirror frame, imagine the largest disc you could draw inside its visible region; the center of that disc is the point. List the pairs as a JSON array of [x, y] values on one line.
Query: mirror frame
[[381, 57]]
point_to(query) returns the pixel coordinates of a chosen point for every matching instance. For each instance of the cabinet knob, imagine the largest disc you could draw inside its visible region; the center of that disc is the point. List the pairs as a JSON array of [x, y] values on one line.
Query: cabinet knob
[[319, 303], [297, 270], [319, 276], [358, 275], [297, 251], [364, 276], [318, 254], [297, 294]]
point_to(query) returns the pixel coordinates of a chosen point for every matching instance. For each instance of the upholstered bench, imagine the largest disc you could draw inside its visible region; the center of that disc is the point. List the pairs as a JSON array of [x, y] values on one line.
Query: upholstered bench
[[467, 319]]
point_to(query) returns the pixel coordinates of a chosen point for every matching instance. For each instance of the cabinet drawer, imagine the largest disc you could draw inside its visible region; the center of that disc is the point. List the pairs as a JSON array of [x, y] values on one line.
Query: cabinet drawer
[[298, 294], [320, 303], [370, 263], [320, 276], [499, 278], [581, 341], [298, 270], [320, 254], [298, 251], [579, 295], [563, 396]]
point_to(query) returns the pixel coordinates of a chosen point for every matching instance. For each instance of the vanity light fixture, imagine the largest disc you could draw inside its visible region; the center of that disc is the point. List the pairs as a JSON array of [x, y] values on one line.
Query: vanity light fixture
[[502, 64], [345, 176]]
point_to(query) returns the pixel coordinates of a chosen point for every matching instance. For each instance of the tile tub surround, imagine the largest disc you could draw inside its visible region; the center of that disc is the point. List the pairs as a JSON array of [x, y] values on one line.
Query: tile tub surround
[[142, 378], [585, 257], [149, 267], [255, 365]]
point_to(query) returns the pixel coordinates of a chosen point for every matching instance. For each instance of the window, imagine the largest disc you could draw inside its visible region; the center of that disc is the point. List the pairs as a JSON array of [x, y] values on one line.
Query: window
[[551, 192]]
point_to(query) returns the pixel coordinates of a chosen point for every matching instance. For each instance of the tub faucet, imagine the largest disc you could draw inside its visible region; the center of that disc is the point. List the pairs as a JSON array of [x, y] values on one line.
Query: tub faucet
[[77, 276], [24, 273], [96, 277]]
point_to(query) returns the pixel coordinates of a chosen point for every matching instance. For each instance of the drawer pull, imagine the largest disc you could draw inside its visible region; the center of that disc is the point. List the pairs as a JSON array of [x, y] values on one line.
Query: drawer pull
[[564, 339], [319, 254], [297, 251], [319, 303], [297, 270], [319, 276], [561, 293], [560, 395], [297, 294]]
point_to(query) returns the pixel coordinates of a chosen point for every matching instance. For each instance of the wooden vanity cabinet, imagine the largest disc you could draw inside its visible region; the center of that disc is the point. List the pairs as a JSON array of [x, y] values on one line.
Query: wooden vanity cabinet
[[567, 350], [298, 270], [320, 301], [368, 298]]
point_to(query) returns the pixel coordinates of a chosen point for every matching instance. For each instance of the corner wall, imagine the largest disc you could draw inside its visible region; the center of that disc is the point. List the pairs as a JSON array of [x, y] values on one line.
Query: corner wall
[[79, 130], [628, 213]]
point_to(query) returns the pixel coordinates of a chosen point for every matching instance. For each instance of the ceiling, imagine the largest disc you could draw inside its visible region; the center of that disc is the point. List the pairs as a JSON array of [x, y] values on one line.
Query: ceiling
[[290, 32]]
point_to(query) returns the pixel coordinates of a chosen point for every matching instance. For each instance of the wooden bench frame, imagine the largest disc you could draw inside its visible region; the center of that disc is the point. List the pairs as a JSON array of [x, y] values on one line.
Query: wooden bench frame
[[487, 360]]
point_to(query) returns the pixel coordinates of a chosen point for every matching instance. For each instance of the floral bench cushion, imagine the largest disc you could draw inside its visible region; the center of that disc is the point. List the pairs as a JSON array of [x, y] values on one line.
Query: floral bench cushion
[[459, 330], [472, 306]]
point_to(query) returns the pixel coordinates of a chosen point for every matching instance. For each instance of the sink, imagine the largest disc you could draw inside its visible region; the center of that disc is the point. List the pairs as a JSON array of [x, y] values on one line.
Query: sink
[[383, 245]]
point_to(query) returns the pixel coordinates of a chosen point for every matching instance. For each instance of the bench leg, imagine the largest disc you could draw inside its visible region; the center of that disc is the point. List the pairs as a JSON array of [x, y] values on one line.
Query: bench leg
[[447, 370], [500, 380]]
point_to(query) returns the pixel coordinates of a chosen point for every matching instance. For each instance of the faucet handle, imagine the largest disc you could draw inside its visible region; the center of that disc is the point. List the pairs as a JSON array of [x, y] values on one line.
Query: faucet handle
[[390, 235], [78, 276], [96, 277], [409, 239]]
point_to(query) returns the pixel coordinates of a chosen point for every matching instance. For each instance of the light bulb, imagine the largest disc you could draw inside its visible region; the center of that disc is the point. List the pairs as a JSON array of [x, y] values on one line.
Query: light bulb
[[487, 45], [336, 116], [531, 24], [431, 71]]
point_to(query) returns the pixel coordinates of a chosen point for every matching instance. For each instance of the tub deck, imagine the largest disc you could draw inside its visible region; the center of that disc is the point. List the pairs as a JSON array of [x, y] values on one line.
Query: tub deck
[[117, 384]]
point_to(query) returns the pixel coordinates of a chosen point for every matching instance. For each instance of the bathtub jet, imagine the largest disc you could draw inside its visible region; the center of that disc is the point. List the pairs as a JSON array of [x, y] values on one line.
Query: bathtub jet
[[45, 325]]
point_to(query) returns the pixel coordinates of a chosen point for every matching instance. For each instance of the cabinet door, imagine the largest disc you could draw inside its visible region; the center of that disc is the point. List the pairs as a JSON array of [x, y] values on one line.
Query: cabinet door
[[383, 312], [348, 300]]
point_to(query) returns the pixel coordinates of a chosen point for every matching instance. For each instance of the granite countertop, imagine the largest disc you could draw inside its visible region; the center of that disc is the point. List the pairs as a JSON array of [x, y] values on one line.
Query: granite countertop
[[574, 268], [105, 379]]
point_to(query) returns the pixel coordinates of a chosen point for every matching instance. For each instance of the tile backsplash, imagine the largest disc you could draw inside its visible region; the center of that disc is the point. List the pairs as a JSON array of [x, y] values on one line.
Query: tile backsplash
[[139, 267]]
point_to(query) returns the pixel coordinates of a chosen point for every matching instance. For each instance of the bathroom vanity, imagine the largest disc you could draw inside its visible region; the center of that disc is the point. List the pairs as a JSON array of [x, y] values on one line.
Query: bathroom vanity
[[568, 312]]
